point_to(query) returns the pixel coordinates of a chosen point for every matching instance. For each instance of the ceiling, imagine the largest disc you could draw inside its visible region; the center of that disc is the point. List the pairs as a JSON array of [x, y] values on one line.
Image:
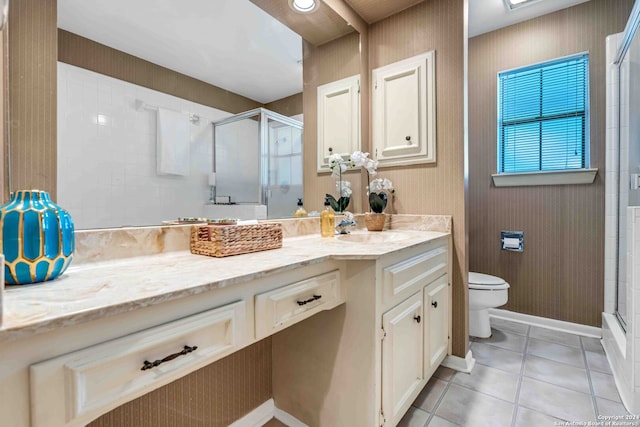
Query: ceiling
[[232, 44], [375, 10], [489, 15], [236, 45], [319, 27]]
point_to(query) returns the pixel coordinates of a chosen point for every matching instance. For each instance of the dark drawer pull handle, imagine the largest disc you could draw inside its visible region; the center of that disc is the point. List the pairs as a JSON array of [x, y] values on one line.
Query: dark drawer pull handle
[[417, 318], [435, 304], [151, 365], [307, 301]]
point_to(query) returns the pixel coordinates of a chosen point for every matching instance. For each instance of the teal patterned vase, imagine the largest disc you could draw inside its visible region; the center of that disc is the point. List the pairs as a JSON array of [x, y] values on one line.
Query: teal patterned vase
[[36, 236]]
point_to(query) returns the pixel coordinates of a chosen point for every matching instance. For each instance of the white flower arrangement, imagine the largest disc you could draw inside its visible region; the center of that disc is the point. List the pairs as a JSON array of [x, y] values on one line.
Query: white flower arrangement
[[376, 189], [338, 165]]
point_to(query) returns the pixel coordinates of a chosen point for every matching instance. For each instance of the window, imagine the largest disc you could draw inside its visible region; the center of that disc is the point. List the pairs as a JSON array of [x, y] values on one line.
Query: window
[[543, 122]]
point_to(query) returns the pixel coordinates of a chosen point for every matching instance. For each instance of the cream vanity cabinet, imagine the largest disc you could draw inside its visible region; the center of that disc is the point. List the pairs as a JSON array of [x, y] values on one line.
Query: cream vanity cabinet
[[72, 375], [366, 362], [415, 337], [338, 119], [404, 111]]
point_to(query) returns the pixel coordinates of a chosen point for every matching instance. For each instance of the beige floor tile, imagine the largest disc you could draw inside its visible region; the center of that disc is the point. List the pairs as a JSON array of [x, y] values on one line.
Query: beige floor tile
[[492, 381], [592, 344], [559, 353], [604, 386], [609, 407], [414, 417], [507, 326], [495, 357], [556, 401], [505, 340], [528, 418], [441, 422], [555, 382], [553, 336], [470, 408], [598, 362], [557, 373], [444, 373], [430, 394]]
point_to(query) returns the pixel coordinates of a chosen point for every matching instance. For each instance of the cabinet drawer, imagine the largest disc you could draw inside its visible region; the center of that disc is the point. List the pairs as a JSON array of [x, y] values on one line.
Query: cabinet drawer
[[77, 387], [414, 272], [292, 303]]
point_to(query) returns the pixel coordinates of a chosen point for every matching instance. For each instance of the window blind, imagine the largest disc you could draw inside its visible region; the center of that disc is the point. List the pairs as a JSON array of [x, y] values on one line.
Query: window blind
[[543, 116]]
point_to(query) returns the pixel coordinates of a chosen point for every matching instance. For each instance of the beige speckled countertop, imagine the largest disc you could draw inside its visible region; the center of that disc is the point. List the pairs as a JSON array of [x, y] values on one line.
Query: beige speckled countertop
[[93, 290]]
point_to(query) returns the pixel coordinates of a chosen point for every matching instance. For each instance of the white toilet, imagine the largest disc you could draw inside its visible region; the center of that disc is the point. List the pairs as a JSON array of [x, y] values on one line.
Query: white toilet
[[485, 292]]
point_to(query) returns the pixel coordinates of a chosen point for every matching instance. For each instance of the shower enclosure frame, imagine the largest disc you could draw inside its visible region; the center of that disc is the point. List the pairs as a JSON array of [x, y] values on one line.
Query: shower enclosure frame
[[263, 133], [624, 45], [620, 338]]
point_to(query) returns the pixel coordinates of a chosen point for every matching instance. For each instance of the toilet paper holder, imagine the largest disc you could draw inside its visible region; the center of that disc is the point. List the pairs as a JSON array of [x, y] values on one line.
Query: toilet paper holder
[[512, 241]]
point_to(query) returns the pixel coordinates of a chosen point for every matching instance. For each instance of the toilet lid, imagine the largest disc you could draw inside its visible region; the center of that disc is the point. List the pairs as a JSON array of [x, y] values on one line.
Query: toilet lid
[[485, 281]]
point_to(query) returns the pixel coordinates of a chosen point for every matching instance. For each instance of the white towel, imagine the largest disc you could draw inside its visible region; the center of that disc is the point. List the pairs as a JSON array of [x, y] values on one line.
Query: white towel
[[172, 143]]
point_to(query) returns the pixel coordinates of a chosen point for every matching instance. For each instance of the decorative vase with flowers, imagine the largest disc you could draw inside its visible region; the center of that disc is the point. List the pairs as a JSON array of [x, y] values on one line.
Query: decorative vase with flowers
[[338, 165], [376, 190]]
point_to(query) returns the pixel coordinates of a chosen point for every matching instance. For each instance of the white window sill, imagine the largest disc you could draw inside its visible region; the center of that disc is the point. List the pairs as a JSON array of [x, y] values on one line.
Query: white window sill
[[580, 176]]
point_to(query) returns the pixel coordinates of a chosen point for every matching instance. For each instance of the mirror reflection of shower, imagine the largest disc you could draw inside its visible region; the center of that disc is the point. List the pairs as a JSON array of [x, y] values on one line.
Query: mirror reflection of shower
[[257, 166]]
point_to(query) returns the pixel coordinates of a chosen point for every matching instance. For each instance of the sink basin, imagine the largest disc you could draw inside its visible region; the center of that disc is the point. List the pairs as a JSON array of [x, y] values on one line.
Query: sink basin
[[373, 237]]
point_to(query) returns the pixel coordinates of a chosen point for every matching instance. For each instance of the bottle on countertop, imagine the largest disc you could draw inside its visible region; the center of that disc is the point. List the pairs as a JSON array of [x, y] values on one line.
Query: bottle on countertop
[[327, 221], [300, 212]]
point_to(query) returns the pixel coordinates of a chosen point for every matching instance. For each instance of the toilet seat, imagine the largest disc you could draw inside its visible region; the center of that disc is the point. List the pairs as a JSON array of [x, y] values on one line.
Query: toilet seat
[[486, 282]]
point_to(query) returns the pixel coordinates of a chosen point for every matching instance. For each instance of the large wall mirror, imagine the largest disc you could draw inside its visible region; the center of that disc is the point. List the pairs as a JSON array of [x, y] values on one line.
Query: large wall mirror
[[87, 80]]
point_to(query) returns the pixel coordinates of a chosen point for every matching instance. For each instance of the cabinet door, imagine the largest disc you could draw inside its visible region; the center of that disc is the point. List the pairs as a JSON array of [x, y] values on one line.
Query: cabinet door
[[338, 119], [436, 308], [401, 357], [404, 127]]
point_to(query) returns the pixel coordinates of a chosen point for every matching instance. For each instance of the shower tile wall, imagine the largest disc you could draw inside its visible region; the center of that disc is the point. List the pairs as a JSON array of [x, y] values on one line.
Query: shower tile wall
[[106, 153]]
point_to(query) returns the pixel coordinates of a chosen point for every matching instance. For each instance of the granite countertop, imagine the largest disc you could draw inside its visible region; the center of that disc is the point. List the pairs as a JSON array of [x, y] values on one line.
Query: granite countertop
[[98, 289]]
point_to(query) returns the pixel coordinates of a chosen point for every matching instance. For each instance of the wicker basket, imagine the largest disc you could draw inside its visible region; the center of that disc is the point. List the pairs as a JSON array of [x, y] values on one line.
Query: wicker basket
[[225, 240]]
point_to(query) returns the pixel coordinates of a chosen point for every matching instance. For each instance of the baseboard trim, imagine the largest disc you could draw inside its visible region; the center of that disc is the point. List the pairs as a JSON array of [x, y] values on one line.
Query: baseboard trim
[[287, 418], [460, 364], [544, 322], [258, 417], [263, 413]]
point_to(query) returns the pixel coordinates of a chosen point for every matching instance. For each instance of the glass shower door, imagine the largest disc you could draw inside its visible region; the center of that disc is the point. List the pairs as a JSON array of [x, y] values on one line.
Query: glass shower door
[[629, 166], [284, 168]]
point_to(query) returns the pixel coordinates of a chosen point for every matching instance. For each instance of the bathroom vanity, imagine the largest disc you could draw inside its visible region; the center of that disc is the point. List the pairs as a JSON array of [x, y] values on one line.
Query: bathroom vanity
[[358, 324]]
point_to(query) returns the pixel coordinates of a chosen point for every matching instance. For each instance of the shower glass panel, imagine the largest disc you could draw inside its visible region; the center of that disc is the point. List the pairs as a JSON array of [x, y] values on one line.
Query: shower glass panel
[[237, 166], [258, 160], [629, 164], [285, 168]]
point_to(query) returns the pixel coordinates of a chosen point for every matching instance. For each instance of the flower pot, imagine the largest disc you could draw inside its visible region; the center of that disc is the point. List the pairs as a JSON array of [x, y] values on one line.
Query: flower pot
[[374, 221], [37, 238]]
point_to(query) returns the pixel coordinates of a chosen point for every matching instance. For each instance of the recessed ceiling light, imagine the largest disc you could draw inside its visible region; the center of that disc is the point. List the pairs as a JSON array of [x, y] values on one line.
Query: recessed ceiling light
[[514, 4], [303, 6]]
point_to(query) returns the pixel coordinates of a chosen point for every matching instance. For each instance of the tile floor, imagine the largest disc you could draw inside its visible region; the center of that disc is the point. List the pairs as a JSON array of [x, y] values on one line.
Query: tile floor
[[525, 376]]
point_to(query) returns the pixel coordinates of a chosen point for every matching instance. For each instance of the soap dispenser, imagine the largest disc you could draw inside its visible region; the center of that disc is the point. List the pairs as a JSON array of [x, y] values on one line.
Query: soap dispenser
[[327, 220], [301, 212]]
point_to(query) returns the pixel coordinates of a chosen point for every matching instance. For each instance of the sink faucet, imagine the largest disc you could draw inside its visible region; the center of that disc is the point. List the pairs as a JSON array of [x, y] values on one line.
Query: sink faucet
[[346, 223]]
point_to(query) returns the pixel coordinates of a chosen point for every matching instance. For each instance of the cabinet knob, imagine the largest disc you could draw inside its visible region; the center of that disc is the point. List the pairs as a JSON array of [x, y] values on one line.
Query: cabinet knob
[[331, 149], [434, 304], [408, 138], [417, 318]]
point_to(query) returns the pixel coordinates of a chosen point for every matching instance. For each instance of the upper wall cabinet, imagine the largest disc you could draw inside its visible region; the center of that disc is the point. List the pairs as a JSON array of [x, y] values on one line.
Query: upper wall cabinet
[[338, 119], [404, 111]]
